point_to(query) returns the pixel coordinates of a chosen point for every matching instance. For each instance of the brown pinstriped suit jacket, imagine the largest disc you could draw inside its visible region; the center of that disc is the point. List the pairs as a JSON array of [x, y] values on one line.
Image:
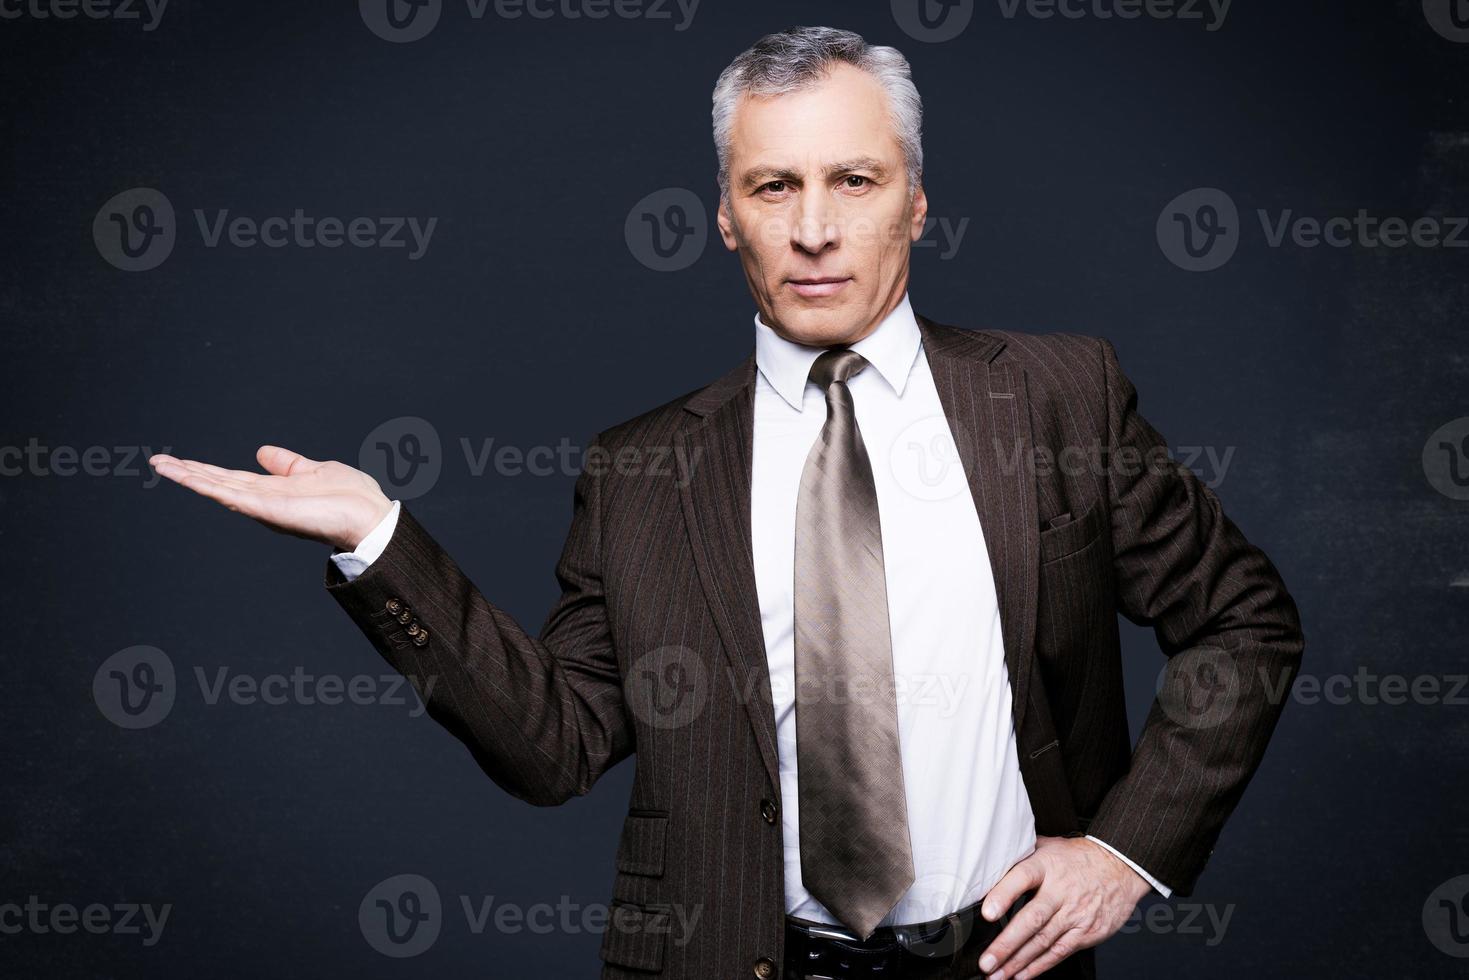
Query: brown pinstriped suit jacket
[[655, 645]]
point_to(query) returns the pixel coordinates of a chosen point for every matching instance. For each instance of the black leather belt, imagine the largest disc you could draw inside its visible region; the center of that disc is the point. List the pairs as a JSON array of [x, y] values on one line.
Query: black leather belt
[[943, 949]]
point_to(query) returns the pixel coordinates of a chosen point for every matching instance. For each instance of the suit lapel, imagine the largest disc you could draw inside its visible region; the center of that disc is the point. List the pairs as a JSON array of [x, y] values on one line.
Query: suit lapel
[[988, 410], [716, 505]]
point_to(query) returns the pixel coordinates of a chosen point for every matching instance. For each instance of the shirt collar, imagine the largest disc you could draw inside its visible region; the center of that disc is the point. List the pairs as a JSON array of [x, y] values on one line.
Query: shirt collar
[[891, 349]]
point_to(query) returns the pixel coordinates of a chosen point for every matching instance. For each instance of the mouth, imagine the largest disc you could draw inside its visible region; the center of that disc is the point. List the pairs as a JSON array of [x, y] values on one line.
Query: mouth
[[814, 287]]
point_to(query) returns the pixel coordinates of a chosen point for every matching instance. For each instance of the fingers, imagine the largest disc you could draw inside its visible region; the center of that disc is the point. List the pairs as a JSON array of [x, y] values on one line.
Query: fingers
[[177, 469], [235, 497], [1068, 943], [1056, 936], [1023, 877], [1027, 928], [281, 461]]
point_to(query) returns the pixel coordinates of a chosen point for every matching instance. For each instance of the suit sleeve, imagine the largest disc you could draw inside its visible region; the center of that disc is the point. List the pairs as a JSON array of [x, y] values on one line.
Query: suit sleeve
[[543, 716], [1231, 633]]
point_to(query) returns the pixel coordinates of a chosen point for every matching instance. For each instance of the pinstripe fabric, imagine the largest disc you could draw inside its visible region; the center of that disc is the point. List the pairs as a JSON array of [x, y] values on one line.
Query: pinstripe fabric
[[655, 644]]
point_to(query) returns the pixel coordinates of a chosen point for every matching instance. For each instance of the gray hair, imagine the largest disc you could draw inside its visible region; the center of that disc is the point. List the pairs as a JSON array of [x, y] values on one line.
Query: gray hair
[[800, 56]]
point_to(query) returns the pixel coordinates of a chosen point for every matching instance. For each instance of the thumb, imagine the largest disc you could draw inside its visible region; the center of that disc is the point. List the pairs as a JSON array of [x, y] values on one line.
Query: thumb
[[282, 462]]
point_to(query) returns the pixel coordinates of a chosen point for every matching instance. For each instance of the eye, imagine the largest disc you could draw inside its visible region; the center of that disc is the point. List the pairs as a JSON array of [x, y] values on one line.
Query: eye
[[859, 178], [774, 187]]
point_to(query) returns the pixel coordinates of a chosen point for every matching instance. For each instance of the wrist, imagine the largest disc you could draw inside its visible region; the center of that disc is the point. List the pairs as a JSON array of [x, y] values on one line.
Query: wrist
[[365, 519]]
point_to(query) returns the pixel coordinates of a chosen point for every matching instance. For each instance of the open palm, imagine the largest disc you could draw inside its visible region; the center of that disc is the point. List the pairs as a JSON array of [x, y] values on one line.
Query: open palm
[[325, 501]]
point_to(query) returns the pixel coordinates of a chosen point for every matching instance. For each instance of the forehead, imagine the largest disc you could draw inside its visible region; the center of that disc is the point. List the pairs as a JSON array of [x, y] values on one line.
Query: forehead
[[845, 113]]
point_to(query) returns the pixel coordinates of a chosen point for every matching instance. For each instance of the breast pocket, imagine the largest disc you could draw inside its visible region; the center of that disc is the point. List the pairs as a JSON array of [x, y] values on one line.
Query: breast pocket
[[1072, 536], [1073, 612]]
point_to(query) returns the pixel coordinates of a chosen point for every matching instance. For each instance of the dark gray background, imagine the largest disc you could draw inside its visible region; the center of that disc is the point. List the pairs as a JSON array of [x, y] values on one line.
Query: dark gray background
[[529, 321]]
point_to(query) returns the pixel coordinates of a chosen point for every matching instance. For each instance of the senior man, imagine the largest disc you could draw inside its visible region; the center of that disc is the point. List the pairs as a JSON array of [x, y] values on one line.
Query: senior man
[[863, 527]]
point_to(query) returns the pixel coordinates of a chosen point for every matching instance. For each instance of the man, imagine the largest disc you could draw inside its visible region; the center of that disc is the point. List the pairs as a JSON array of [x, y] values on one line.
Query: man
[[869, 518]]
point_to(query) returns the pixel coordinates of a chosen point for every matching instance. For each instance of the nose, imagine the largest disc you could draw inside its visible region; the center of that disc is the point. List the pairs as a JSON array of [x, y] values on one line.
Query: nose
[[815, 228]]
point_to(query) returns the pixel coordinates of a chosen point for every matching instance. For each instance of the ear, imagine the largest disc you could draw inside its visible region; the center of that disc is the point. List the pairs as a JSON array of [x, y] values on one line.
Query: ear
[[920, 214], [726, 225]]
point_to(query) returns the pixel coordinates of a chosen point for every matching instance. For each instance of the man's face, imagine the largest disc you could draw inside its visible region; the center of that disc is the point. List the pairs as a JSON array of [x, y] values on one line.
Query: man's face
[[818, 208]]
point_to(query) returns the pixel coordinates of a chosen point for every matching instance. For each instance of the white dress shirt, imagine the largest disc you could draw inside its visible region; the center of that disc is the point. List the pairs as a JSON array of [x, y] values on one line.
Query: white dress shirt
[[969, 817]]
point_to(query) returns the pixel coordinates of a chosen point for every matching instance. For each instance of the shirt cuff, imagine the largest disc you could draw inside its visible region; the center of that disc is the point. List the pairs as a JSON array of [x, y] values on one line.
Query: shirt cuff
[[353, 563], [1158, 886]]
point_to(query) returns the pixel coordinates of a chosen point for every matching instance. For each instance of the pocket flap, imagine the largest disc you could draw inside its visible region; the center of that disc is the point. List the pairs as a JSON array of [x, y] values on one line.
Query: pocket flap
[[640, 852], [1071, 537], [636, 936]]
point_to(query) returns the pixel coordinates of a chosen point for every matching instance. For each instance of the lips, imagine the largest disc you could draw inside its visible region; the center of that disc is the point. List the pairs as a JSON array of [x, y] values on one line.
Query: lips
[[813, 287]]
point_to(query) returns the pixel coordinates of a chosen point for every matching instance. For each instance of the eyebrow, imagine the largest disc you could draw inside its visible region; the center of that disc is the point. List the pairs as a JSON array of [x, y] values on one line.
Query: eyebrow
[[759, 175]]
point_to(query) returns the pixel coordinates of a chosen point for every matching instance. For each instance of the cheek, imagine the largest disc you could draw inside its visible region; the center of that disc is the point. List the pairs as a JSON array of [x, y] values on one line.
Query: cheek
[[762, 235]]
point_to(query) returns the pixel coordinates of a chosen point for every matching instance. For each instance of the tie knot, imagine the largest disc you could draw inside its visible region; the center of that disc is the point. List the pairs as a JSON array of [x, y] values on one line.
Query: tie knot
[[836, 364]]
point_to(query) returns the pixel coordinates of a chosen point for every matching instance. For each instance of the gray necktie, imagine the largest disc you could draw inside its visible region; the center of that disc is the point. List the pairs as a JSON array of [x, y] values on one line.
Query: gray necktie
[[855, 854]]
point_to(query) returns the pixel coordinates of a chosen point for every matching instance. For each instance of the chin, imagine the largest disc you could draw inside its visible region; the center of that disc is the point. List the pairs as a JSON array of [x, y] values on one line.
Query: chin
[[818, 327]]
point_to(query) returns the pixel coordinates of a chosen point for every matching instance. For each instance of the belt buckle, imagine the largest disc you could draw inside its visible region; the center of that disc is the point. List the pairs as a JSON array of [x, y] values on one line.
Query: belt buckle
[[823, 931], [944, 941]]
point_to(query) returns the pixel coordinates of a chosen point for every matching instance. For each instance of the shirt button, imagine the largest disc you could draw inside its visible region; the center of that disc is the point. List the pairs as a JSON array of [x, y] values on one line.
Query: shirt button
[[764, 969], [768, 811]]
